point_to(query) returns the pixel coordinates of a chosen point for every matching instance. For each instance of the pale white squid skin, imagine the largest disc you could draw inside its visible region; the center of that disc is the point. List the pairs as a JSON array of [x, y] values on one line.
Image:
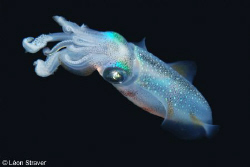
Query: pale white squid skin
[[162, 89]]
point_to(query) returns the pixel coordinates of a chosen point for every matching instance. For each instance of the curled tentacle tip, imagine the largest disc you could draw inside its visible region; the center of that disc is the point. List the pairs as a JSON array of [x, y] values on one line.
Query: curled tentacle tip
[[28, 46], [59, 19], [41, 69], [29, 39], [34, 45], [46, 51]]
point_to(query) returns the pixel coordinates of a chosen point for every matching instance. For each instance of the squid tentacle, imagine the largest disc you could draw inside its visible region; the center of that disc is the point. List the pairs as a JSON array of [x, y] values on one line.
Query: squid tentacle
[[47, 51], [47, 67], [33, 45], [68, 27]]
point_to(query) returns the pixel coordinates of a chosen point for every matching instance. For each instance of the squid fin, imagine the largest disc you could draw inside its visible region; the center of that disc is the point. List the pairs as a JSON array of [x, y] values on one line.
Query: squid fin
[[211, 130], [182, 130], [189, 131], [185, 68], [141, 44]]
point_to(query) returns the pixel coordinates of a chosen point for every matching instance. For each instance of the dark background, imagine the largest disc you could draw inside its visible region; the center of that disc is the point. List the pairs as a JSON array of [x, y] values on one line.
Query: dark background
[[69, 120]]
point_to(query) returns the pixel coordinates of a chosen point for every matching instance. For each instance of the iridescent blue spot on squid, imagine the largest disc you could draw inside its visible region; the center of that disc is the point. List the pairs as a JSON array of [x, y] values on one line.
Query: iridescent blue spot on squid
[[162, 89]]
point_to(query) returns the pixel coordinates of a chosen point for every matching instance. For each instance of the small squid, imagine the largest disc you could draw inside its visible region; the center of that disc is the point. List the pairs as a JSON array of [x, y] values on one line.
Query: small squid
[[164, 90]]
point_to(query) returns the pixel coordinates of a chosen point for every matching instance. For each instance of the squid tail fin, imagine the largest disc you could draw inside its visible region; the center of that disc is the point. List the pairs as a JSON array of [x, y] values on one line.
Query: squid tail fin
[[189, 131], [211, 130]]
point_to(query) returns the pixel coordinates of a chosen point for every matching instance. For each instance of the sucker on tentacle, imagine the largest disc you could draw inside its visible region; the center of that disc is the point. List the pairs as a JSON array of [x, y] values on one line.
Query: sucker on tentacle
[[162, 89]]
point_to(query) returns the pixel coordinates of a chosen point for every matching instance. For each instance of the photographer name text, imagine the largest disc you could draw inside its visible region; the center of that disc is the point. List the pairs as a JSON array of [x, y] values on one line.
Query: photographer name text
[[23, 163]]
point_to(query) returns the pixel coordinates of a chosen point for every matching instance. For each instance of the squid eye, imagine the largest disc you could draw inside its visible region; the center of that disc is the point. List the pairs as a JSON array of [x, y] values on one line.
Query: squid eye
[[114, 75]]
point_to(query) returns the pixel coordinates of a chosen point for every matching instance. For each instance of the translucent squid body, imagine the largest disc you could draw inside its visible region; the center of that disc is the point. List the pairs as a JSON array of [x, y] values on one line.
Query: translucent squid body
[[162, 89]]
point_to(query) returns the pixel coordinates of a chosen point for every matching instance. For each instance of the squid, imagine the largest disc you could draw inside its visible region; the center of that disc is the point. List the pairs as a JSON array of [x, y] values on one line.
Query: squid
[[162, 89]]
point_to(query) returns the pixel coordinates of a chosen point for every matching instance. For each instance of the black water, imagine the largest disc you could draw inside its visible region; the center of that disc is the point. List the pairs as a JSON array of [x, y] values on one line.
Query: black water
[[69, 120]]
